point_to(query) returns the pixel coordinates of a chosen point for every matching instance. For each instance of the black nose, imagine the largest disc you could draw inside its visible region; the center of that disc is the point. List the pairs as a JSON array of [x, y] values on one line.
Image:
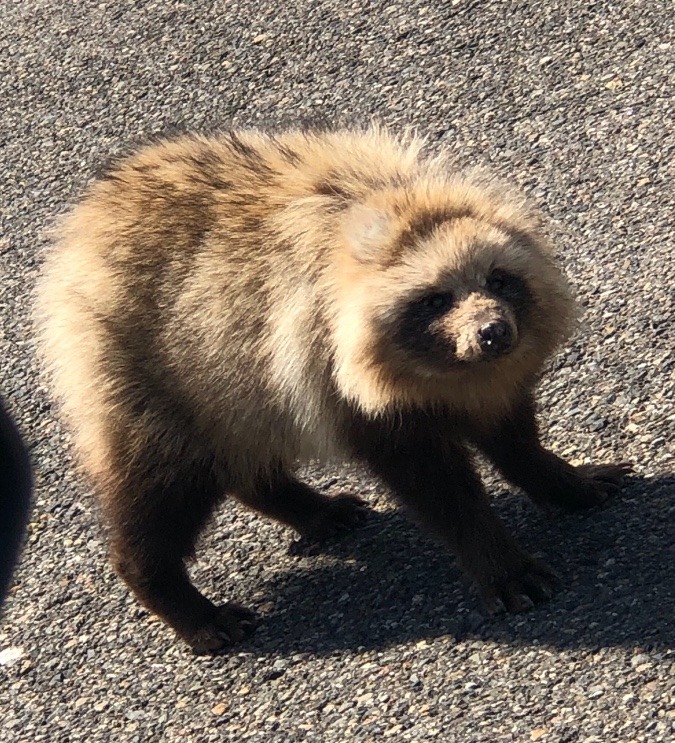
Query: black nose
[[495, 337]]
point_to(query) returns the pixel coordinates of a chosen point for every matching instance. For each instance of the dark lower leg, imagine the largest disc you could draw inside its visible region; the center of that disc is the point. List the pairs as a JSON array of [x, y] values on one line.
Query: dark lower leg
[[169, 594], [514, 447], [154, 528], [436, 480], [313, 515]]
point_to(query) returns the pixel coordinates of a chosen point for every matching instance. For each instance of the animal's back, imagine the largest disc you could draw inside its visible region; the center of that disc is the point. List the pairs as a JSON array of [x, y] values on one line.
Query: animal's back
[[185, 298]]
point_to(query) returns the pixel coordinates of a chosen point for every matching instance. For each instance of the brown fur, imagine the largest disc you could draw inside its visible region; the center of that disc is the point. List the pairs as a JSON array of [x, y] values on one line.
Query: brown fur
[[217, 310]]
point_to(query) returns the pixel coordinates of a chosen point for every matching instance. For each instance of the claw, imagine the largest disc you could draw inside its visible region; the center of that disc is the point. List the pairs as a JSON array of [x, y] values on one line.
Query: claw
[[304, 547], [612, 474], [515, 601], [526, 584], [342, 514], [231, 623]]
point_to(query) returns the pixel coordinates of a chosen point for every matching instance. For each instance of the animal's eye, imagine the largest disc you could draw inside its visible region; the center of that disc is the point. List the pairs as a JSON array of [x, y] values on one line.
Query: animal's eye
[[437, 301], [497, 281]]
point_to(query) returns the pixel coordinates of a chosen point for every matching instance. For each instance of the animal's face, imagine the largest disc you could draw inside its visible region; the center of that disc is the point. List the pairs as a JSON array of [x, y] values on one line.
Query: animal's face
[[467, 300], [456, 323], [458, 294]]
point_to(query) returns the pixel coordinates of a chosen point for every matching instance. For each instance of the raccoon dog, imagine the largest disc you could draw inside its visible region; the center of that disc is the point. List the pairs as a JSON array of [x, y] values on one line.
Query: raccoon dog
[[217, 310]]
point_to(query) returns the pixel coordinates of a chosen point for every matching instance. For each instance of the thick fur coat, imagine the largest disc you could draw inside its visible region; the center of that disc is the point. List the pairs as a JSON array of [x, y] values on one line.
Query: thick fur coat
[[216, 310]]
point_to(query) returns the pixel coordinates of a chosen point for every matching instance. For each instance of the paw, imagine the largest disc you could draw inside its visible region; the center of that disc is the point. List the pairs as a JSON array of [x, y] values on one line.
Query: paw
[[520, 587], [608, 475], [229, 624], [342, 513], [599, 481]]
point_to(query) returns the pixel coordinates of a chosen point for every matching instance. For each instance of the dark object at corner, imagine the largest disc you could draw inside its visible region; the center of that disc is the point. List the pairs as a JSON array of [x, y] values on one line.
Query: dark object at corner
[[15, 491]]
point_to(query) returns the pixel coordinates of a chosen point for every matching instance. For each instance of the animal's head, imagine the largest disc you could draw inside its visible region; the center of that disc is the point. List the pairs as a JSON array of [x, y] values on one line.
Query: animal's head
[[448, 292]]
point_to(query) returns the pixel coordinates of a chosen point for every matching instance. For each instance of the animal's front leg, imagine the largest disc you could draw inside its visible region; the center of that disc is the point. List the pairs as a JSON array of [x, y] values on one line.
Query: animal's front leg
[[437, 481], [514, 447]]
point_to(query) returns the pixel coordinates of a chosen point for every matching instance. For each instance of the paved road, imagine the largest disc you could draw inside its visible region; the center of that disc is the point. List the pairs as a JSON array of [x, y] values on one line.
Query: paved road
[[380, 636]]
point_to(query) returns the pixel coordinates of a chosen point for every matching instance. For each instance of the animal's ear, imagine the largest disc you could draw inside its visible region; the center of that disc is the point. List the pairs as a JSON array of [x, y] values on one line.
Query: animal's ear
[[366, 230]]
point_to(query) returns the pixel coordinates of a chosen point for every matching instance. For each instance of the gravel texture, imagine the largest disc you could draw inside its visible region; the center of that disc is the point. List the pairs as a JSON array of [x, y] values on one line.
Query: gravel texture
[[380, 636]]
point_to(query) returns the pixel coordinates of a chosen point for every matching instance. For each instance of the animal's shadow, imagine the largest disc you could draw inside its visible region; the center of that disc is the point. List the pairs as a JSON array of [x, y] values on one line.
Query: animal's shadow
[[388, 584]]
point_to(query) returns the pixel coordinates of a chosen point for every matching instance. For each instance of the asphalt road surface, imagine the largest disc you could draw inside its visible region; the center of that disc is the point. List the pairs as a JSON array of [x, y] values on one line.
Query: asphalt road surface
[[380, 636]]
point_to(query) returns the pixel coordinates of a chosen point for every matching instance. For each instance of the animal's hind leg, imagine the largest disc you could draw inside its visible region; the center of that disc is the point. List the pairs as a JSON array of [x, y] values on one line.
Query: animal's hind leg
[[155, 523], [316, 517]]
